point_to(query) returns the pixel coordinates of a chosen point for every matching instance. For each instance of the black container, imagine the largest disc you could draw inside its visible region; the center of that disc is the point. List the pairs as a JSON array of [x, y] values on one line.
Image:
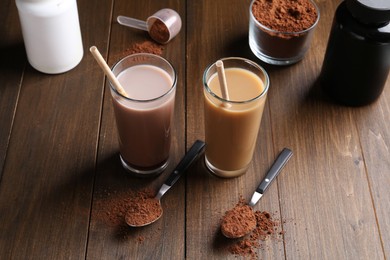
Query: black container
[[357, 59]]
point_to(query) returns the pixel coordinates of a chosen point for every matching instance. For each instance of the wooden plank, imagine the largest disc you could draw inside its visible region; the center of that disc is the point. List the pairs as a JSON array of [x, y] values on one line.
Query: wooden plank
[[59, 150], [374, 132], [112, 238], [46, 189], [326, 194], [217, 29], [12, 65]]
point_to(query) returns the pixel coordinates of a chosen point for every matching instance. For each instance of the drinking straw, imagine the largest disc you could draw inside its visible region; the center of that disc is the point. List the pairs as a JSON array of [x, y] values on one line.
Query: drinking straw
[[222, 80], [102, 63]]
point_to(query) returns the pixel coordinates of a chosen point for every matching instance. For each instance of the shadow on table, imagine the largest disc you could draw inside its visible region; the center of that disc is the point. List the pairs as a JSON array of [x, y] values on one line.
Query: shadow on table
[[221, 244], [13, 56]]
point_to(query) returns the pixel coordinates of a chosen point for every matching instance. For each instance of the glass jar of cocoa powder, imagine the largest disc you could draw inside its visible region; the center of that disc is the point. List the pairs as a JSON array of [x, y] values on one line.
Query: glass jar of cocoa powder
[[357, 59], [280, 32]]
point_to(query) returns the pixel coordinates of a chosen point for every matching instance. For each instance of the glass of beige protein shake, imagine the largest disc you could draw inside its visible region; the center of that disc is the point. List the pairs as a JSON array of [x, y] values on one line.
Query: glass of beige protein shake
[[144, 118], [232, 125]]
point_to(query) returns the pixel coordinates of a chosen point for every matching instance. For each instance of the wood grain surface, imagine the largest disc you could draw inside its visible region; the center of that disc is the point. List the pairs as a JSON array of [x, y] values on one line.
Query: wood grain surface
[[60, 170]]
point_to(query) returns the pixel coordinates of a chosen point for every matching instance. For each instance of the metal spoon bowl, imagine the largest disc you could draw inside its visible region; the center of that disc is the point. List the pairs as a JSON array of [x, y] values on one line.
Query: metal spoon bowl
[[154, 204]]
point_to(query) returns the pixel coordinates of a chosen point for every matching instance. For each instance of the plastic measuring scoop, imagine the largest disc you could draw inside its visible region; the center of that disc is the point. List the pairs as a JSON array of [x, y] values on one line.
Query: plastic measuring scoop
[[162, 26]]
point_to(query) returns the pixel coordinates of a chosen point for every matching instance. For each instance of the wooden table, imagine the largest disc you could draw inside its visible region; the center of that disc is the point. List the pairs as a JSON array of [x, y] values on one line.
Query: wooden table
[[59, 153]]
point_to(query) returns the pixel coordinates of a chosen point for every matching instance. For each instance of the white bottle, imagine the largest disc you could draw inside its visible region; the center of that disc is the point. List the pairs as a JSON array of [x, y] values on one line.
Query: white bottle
[[51, 33]]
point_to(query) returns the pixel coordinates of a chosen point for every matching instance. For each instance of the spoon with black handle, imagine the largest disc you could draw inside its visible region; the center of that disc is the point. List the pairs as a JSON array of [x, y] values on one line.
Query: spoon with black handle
[[278, 165], [233, 227], [132, 216]]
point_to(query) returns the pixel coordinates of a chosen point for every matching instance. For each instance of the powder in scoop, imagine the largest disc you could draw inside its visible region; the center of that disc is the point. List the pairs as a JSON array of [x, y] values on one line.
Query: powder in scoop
[[142, 210], [159, 32], [238, 221]]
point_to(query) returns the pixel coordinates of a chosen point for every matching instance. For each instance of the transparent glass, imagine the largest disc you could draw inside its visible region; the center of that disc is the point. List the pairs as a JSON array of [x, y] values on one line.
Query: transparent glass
[[144, 125], [232, 126], [279, 48]]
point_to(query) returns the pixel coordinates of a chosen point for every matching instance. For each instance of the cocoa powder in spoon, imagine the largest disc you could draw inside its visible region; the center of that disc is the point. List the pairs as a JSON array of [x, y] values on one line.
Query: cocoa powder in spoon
[[238, 221], [265, 227], [111, 207], [142, 210]]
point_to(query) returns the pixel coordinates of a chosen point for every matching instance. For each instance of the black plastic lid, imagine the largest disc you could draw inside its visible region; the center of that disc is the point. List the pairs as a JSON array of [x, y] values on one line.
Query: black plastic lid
[[370, 11]]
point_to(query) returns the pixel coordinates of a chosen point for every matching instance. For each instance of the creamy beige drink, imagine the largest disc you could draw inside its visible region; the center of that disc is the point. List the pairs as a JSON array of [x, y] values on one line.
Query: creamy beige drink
[[232, 127], [144, 118]]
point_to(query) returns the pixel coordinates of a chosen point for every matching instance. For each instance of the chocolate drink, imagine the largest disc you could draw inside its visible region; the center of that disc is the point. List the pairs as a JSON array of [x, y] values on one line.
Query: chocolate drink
[[145, 127]]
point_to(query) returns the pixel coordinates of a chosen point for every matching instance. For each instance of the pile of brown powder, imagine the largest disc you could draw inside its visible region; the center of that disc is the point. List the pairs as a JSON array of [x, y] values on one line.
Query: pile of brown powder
[[140, 47], [142, 210], [159, 32], [111, 208], [145, 47], [238, 221], [266, 228], [285, 15]]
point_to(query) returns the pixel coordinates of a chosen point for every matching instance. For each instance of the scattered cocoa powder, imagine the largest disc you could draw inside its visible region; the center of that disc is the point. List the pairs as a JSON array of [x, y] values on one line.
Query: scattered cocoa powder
[[140, 47], [110, 208], [285, 15], [245, 248], [145, 47], [142, 210], [140, 239], [266, 228], [159, 32], [238, 221]]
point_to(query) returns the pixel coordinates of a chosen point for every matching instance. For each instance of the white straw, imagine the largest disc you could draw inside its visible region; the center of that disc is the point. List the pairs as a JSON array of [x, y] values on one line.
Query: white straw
[[222, 80], [102, 63]]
